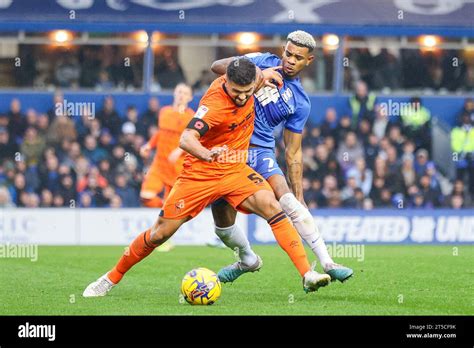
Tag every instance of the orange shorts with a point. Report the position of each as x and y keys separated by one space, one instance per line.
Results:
x=190 y=196
x=152 y=181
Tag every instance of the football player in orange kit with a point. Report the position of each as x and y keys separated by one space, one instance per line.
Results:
x=169 y=158
x=214 y=168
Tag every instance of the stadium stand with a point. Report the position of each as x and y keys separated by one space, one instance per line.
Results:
x=62 y=160
x=47 y=160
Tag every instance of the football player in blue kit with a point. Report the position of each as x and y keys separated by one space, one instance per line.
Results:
x=285 y=103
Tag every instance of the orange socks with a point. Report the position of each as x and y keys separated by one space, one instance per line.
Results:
x=289 y=240
x=140 y=248
x=285 y=234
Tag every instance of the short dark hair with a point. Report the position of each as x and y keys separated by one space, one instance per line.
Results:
x=241 y=71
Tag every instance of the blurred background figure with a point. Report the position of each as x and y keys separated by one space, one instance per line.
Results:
x=462 y=145
x=168 y=160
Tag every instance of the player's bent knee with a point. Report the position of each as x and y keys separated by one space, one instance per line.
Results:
x=161 y=231
x=223 y=221
x=279 y=185
x=268 y=204
x=293 y=208
x=158 y=237
x=273 y=207
x=223 y=213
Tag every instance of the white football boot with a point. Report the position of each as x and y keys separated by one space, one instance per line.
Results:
x=313 y=280
x=99 y=288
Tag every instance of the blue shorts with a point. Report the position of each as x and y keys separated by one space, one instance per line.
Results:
x=263 y=161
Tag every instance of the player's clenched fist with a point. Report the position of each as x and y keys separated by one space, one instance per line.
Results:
x=272 y=77
x=269 y=77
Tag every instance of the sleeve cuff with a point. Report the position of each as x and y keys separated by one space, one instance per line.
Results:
x=294 y=130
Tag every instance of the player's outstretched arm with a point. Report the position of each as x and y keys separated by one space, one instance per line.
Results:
x=294 y=162
x=220 y=66
x=175 y=155
x=148 y=146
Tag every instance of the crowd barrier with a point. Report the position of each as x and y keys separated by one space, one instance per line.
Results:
x=80 y=226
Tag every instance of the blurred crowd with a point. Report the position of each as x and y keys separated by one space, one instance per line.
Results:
x=121 y=67
x=435 y=70
x=60 y=161
x=367 y=159
x=360 y=160
x=98 y=67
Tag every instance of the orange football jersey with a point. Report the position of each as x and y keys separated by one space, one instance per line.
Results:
x=171 y=124
x=229 y=125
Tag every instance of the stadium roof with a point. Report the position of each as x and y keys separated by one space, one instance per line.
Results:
x=351 y=17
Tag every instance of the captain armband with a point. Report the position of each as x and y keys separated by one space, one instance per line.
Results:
x=198 y=125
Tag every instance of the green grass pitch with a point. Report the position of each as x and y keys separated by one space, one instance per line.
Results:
x=392 y=280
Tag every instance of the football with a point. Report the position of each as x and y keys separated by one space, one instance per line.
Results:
x=201 y=286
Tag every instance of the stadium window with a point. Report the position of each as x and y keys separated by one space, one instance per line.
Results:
x=78 y=66
x=419 y=64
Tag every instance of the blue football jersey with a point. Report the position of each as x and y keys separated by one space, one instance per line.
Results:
x=289 y=105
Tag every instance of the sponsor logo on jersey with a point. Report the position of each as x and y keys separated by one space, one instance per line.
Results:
x=235 y=125
x=287 y=95
x=267 y=95
x=201 y=112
